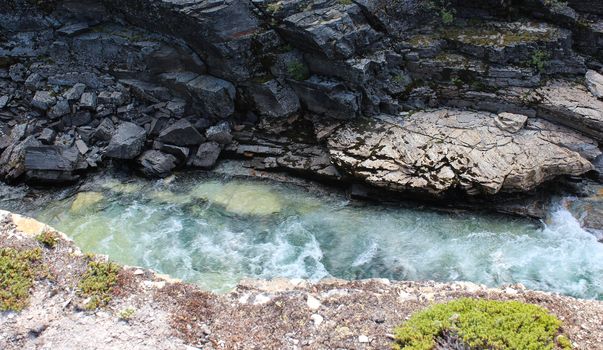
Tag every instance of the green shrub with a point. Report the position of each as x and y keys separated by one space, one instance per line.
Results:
x=298 y=71
x=481 y=324
x=17 y=273
x=126 y=314
x=98 y=282
x=447 y=16
x=48 y=239
x=540 y=60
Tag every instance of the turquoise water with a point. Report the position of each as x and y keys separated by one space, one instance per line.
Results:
x=214 y=232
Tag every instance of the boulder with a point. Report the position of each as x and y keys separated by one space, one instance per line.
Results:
x=154 y=163
x=80 y=118
x=181 y=133
x=75 y=92
x=147 y=91
x=216 y=96
x=60 y=109
x=181 y=153
x=104 y=130
x=33 y=81
x=43 y=100
x=88 y=101
x=51 y=163
x=274 y=99
x=127 y=142
x=328 y=97
x=335 y=32
x=594 y=82
x=17 y=72
x=206 y=155
x=441 y=150
x=219 y=133
x=12 y=159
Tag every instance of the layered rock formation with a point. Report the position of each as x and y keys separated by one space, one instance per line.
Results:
x=425 y=96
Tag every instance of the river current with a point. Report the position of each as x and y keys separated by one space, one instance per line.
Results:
x=214 y=231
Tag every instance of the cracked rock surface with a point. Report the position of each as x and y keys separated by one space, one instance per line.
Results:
x=445 y=149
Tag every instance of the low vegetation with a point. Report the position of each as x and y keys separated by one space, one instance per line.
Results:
x=481 y=324
x=98 y=283
x=126 y=314
x=48 y=239
x=540 y=60
x=18 y=270
x=298 y=70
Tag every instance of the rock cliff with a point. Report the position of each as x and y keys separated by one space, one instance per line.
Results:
x=424 y=96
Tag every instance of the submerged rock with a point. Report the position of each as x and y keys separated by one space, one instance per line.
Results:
x=240 y=198
x=85 y=201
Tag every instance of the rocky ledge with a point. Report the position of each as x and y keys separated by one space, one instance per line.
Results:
x=146 y=310
x=433 y=98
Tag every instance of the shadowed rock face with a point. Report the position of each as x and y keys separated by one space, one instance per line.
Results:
x=447 y=149
x=404 y=95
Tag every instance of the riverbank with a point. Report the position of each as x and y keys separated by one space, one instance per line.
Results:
x=278 y=314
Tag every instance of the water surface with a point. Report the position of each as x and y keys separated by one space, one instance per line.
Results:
x=216 y=231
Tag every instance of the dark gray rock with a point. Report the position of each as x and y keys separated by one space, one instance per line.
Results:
x=179 y=152
x=75 y=92
x=216 y=96
x=328 y=97
x=89 y=79
x=51 y=163
x=127 y=142
x=154 y=163
x=219 y=133
x=80 y=118
x=274 y=99
x=181 y=133
x=88 y=101
x=147 y=91
x=17 y=72
x=206 y=155
x=43 y=100
x=335 y=32
x=4 y=101
x=60 y=109
x=47 y=136
x=33 y=81
x=104 y=131
x=177 y=108
x=12 y=165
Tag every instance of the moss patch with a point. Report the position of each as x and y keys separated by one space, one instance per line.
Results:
x=98 y=282
x=17 y=273
x=482 y=324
